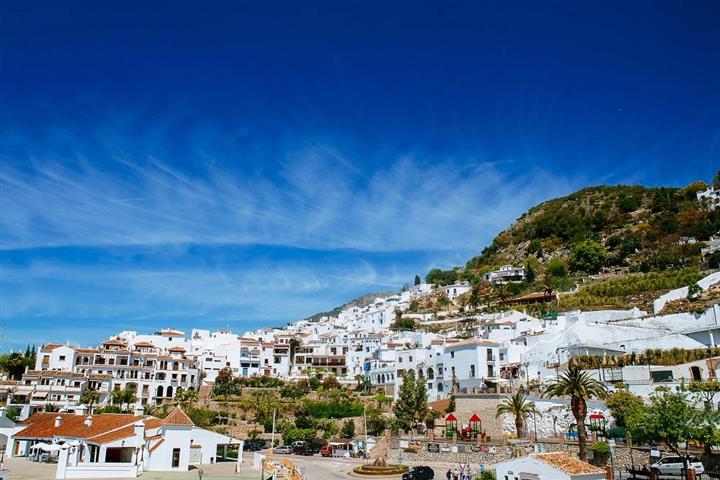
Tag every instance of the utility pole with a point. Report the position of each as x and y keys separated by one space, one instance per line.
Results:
x=272 y=435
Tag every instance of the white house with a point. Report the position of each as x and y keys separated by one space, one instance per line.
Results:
x=455 y=290
x=548 y=466
x=118 y=445
x=506 y=274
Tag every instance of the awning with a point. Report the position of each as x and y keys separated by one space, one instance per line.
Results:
x=475 y=418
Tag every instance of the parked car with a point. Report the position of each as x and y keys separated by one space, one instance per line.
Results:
x=254 y=445
x=302 y=450
x=326 y=451
x=419 y=473
x=674 y=465
x=433 y=447
x=283 y=450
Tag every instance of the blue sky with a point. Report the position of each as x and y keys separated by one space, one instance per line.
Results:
x=172 y=164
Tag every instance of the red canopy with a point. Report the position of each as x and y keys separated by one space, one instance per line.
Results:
x=451 y=418
x=596 y=416
x=475 y=418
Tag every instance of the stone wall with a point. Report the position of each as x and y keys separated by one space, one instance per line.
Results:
x=484 y=405
x=621 y=454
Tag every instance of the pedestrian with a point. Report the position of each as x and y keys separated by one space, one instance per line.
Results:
x=449 y=474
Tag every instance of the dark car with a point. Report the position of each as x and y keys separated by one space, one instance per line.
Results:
x=419 y=473
x=254 y=445
x=433 y=447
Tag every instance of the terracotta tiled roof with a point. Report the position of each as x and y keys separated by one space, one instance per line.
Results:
x=472 y=343
x=169 y=332
x=176 y=349
x=565 y=463
x=177 y=417
x=144 y=345
x=152 y=449
x=87 y=350
x=113 y=342
x=113 y=435
x=152 y=423
x=42 y=425
x=50 y=347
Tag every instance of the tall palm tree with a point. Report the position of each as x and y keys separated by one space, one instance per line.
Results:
x=580 y=387
x=517 y=406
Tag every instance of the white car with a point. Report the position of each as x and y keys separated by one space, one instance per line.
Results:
x=283 y=450
x=674 y=465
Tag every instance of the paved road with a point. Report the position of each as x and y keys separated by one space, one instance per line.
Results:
x=314 y=468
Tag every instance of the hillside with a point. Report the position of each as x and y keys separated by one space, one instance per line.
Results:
x=639 y=228
x=605 y=235
x=360 y=301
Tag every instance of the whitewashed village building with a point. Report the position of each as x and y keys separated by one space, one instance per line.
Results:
x=117 y=445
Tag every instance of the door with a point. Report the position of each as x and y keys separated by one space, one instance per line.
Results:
x=176 y=457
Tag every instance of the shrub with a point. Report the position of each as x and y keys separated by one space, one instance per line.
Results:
x=348 y=429
x=556 y=267
x=339 y=408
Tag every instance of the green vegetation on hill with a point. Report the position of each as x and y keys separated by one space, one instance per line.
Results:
x=634 y=290
x=622 y=226
x=613 y=230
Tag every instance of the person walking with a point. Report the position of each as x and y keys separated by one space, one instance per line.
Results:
x=449 y=474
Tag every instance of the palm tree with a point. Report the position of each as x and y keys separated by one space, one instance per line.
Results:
x=517 y=406
x=90 y=397
x=580 y=387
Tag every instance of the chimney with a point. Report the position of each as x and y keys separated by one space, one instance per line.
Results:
x=139 y=428
x=58 y=421
x=88 y=421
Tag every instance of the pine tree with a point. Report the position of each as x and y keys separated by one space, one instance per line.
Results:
x=421 y=398
x=417 y=280
x=404 y=408
x=27 y=352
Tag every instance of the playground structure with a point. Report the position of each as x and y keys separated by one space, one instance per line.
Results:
x=468 y=432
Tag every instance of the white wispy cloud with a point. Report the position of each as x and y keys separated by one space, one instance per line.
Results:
x=128 y=191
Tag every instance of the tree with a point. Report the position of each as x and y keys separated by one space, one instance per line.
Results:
x=186 y=397
x=694 y=292
x=707 y=389
x=529 y=272
x=404 y=408
x=364 y=385
x=580 y=387
x=403 y=324
x=331 y=383
x=670 y=419
x=348 y=429
x=14 y=364
x=90 y=397
x=716 y=181
x=623 y=404
x=421 y=398
x=51 y=407
x=517 y=406
x=588 y=256
x=556 y=267
x=123 y=398
x=376 y=422
x=417 y=280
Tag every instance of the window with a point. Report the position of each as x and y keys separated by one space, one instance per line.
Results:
x=176 y=457
x=452 y=354
x=472 y=371
x=62 y=358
